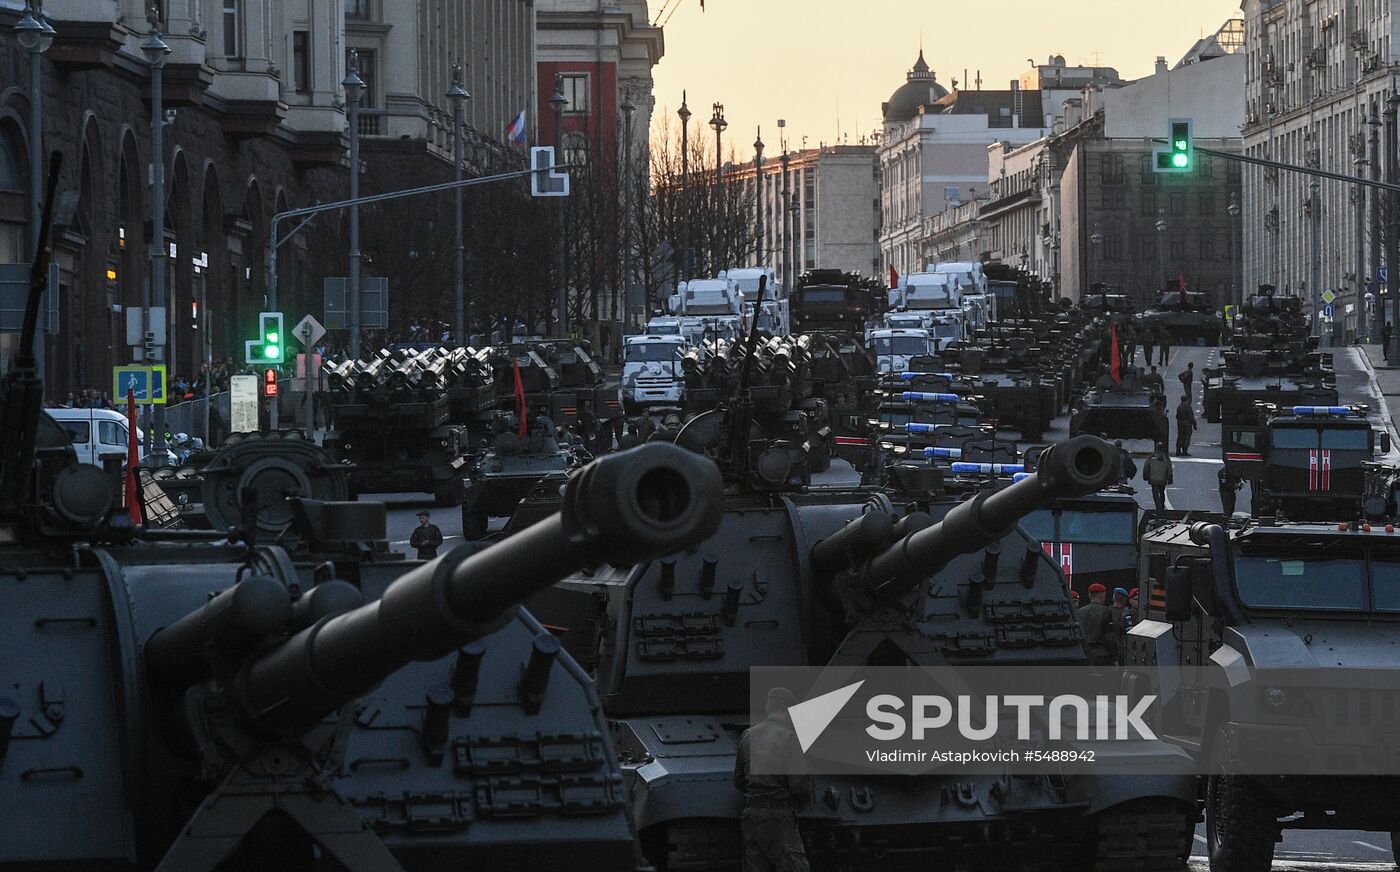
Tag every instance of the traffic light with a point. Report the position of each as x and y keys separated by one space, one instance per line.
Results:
x=270 y=383
x=1178 y=155
x=272 y=337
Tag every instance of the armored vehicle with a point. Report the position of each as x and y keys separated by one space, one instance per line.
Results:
x=390 y=418
x=1309 y=463
x=1126 y=410
x=509 y=468
x=828 y=299
x=209 y=706
x=1093 y=539
x=1187 y=316
x=1274 y=639
x=1008 y=380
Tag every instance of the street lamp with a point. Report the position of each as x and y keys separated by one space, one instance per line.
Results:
x=684 y=112
x=717 y=124
x=354 y=89
x=758 y=196
x=1161 y=246
x=1236 y=257
x=458 y=95
x=156 y=52
x=789 y=272
x=1096 y=240
x=1313 y=210
x=628 y=109
x=35 y=36
x=558 y=102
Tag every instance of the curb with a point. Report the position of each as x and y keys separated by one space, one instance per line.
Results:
x=1394 y=455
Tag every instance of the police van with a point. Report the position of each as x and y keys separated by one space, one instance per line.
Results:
x=97 y=434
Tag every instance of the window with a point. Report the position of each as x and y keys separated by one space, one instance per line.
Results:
x=1207 y=247
x=1205 y=203
x=233 y=29
x=358 y=9
x=1114 y=198
x=1205 y=166
x=1149 y=248
x=12 y=220
x=1112 y=169
x=1177 y=202
x=575 y=148
x=1178 y=249
x=1112 y=248
x=79 y=432
x=301 y=60
x=111 y=433
x=576 y=92
x=365 y=59
x=1149 y=204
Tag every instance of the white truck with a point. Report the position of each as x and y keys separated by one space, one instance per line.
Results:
x=894 y=348
x=651 y=372
x=936 y=298
x=977 y=299
x=774 y=315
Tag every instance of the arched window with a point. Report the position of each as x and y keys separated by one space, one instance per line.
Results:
x=575 y=149
x=12 y=209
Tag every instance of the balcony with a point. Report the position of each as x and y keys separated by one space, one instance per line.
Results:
x=372 y=122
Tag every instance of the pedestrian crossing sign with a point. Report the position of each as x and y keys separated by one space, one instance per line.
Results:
x=147 y=384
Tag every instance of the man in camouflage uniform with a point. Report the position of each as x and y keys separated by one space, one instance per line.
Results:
x=1102 y=636
x=775 y=792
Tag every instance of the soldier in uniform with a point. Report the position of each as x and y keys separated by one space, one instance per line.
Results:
x=776 y=793
x=1121 y=614
x=1147 y=337
x=1127 y=467
x=1186 y=377
x=1157 y=472
x=1153 y=382
x=1101 y=636
x=1185 y=426
x=1230 y=485
x=426 y=537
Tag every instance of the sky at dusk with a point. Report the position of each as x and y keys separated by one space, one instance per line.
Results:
x=818 y=63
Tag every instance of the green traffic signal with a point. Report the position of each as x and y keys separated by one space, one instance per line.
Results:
x=1180 y=160
x=271 y=352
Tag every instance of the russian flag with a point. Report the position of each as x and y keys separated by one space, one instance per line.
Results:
x=516 y=131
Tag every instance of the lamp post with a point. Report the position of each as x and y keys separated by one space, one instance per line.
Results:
x=1161 y=247
x=354 y=89
x=1096 y=240
x=458 y=95
x=625 y=298
x=758 y=197
x=1312 y=209
x=1374 y=277
x=156 y=52
x=683 y=272
x=717 y=124
x=789 y=275
x=558 y=102
x=1236 y=260
x=1392 y=215
x=35 y=36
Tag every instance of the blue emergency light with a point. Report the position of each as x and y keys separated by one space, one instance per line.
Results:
x=990 y=468
x=954 y=453
x=1020 y=475
x=1322 y=410
x=925 y=397
x=920 y=428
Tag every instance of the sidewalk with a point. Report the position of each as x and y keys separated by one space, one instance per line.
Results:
x=1385 y=381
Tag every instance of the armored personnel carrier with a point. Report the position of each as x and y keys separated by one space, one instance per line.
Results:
x=1126 y=410
x=1271 y=359
x=390 y=418
x=1187 y=316
x=205 y=705
x=1269 y=646
x=509 y=468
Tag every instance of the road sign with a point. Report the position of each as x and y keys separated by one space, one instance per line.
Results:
x=1327 y=310
x=308 y=331
x=1328 y=296
x=551 y=182
x=1382 y=274
x=146 y=382
x=243 y=404
x=374 y=302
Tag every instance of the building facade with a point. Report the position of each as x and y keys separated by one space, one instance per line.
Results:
x=1316 y=81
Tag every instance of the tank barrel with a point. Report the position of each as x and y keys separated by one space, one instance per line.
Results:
x=1078 y=467
x=624 y=509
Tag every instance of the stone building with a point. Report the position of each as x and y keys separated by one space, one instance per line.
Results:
x=255 y=125
x=1317 y=74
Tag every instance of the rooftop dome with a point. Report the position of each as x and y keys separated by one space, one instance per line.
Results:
x=920 y=89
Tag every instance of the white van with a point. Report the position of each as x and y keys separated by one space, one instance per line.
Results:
x=96 y=433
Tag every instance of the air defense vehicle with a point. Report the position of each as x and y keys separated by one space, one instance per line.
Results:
x=208 y=704
x=1271 y=648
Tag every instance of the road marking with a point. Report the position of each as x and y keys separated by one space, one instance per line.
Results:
x=1200 y=838
x=1371 y=846
x=1201 y=863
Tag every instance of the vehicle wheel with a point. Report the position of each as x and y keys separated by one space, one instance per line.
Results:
x=1240 y=831
x=473 y=525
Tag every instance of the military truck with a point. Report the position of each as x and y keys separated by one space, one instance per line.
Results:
x=1269 y=640
x=1307 y=462
x=829 y=299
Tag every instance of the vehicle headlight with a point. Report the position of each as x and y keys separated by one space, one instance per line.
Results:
x=872 y=422
x=1275 y=699
x=900 y=449
x=887 y=446
x=884 y=425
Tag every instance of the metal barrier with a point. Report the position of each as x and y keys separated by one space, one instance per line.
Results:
x=198 y=417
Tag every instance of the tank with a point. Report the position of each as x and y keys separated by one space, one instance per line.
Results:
x=1275 y=636
x=509 y=469
x=213 y=707
x=1186 y=316
x=839 y=577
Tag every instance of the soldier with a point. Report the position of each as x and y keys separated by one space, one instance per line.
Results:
x=1230 y=484
x=774 y=795
x=1185 y=426
x=1132 y=606
x=1101 y=637
x=1157 y=472
x=1164 y=345
x=1127 y=468
x=1153 y=381
x=1147 y=338
x=1120 y=610
x=426 y=537
x=1130 y=342
x=629 y=439
x=1186 y=376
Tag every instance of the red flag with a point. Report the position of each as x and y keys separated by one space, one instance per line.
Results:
x=1181 y=281
x=133 y=458
x=1115 y=360
x=894 y=278
x=519 y=397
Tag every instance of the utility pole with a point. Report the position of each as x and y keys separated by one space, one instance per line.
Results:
x=758 y=197
x=683 y=271
x=1373 y=278
x=354 y=88
x=559 y=102
x=156 y=51
x=1392 y=230
x=625 y=299
x=457 y=94
x=1314 y=210
x=1359 y=201
x=789 y=276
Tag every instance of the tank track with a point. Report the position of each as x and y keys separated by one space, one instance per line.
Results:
x=1144 y=836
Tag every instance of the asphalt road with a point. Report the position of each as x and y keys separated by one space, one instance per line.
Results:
x=1194 y=487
